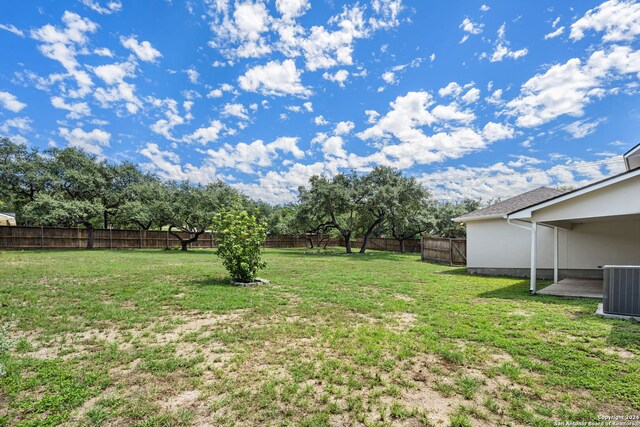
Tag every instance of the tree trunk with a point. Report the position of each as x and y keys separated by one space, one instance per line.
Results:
x=365 y=240
x=90 y=229
x=185 y=242
x=347 y=242
x=106 y=219
x=310 y=240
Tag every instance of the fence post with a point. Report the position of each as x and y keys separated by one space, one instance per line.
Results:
x=78 y=237
x=140 y=239
x=450 y=251
x=110 y=237
x=41 y=237
x=167 y=239
x=212 y=245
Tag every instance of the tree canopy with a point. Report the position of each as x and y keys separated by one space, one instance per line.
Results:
x=69 y=187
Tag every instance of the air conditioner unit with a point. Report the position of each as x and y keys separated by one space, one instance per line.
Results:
x=621 y=290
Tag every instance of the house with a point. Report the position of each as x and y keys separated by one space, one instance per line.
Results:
x=551 y=234
x=7 y=219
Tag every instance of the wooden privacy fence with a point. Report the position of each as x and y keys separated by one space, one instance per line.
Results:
x=76 y=238
x=449 y=251
x=386 y=244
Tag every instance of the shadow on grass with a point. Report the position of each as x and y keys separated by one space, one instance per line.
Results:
x=213 y=282
x=519 y=291
x=452 y=271
x=367 y=256
x=625 y=334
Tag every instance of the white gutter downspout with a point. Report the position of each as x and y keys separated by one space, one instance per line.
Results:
x=555 y=254
x=534 y=256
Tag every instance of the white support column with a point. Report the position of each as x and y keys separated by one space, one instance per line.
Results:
x=534 y=256
x=555 y=254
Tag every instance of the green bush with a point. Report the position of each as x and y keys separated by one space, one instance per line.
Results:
x=240 y=237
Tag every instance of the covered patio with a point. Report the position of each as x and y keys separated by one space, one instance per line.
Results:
x=593 y=226
x=581 y=288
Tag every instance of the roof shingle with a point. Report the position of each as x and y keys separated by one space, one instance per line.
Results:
x=513 y=204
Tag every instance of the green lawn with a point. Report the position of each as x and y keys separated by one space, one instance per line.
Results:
x=159 y=338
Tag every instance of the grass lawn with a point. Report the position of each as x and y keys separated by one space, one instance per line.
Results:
x=159 y=338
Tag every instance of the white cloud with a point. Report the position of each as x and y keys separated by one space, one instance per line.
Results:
x=240 y=34
x=193 y=75
x=565 y=89
x=111 y=6
x=339 y=77
x=172 y=118
x=554 y=34
x=619 y=20
x=235 y=110
x=389 y=77
x=331 y=146
x=581 y=128
x=63 y=45
x=287 y=144
x=471 y=96
x=503 y=181
x=215 y=93
x=103 y=51
x=502 y=49
x=144 y=51
x=452 y=113
x=324 y=48
x=470 y=27
x=205 y=135
x=164 y=163
x=290 y=9
x=21 y=124
x=116 y=72
x=244 y=29
x=219 y=92
x=405 y=122
x=282 y=187
x=12 y=29
x=119 y=90
x=10 y=102
x=248 y=157
x=320 y=121
x=274 y=78
x=76 y=110
x=484 y=8
x=496 y=131
x=344 y=128
x=92 y=142
x=452 y=89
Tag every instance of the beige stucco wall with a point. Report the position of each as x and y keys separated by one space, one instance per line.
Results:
x=496 y=244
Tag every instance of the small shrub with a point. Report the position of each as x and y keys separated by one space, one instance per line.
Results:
x=240 y=237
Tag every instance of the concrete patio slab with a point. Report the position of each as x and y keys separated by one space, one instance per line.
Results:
x=582 y=288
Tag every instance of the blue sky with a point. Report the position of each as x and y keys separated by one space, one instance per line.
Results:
x=475 y=99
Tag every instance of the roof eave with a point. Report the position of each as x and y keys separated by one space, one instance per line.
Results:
x=528 y=211
x=478 y=218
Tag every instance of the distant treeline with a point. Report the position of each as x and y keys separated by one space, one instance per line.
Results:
x=69 y=187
